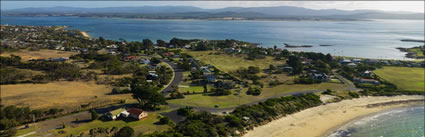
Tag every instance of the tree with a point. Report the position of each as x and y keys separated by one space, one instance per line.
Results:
x=155 y=60
x=272 y=67
x=94 y=114
x=285 y=53
x=295 y=63
x=161 y=43
x=147 y=96
x=187 y=112
x=148 y=44
x=205 y=88
x=253 y=91
x=125 y=132
x=253 y=70
x=7 y=127
x=166 y=121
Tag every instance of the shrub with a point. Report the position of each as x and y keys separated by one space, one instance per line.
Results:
x=185 y=111
x=116 y=90
x=353 y=94
x=253 y=91
x=94 y=114
x=328 y=92
x=125 y=132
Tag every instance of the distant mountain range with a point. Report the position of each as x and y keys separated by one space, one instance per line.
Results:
x=189 y=12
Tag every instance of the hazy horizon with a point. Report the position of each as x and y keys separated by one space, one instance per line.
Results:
x=388 y=6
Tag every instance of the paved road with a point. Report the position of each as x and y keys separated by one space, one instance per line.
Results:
x=178 y=77
x=351 y=86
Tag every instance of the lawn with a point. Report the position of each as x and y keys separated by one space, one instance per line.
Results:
x=229 y=63
x=404 y=77
x=191 y=89
x=24 y=131
x=61 y=94
x=40 y=54
x=145 y=125
x=235 y=100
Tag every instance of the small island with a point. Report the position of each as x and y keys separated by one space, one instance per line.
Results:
x=295 y=46
x=413 y=40
x=414 y=52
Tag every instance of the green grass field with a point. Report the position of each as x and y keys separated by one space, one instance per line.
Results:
x=145 y=125
x=243 y=98
x=404 y=77
x=418 y=51
x=229 y=63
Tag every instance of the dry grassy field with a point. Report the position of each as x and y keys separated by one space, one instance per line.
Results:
x=57 y=94
x=41 y=54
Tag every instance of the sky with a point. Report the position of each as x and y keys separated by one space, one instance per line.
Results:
x=410 y=6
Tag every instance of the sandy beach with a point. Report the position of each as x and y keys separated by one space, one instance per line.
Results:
x=323 y=120
x=85 y=34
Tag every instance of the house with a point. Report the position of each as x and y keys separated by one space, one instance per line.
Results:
x=114 y=114
x=367 y=73
x=320 y=76
x=152 y=75
x=112 y=52
x=288 y=69
x=205 y=69
x=137 y=113
x=227 y=84
x=228 y=50
x=371 y=61
x=169 y=54
x=145 y=61
x=352 y=65
x=211 y=78
x=346 y=61
x=131 y=58
x=368 y=81
x=187 y=47
x=60 y=59
x=124 y=114
x=357 y=61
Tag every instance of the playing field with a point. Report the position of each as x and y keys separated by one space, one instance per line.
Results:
x=57 y=94
x=41 y=54
x=404 y=77
x=228 y=63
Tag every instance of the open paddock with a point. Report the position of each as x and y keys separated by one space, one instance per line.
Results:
x=61 y=94
x=40 y=54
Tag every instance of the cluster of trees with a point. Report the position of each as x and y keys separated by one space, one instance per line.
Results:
x=320 y=62
x=270 y=109
x=147 y=96
x=254 y=91
x=12 y=116
x=250 y=73
x=220 y=91
x=54 y=70
x=205 y=124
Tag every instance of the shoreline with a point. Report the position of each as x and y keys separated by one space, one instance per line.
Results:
x=85 y=34
x=325 y=119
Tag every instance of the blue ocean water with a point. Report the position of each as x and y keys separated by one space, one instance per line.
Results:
x=367 y=39
x=401 y=122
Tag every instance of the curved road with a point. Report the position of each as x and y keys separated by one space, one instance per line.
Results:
x=178 y=77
